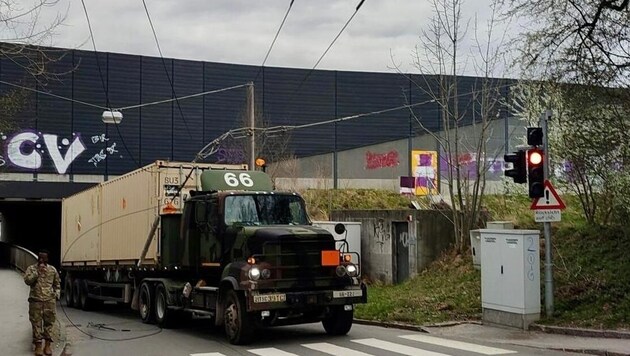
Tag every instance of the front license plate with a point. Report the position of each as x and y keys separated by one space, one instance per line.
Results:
x=270 y=298
x=347 y=293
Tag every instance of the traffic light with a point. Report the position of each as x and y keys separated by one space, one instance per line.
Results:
x=519 y=166
x=536 y=172
x=534 y=136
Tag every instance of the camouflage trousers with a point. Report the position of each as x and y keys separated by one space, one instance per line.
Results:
x=42 y=317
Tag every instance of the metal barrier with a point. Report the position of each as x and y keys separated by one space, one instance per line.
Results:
x=16 y=256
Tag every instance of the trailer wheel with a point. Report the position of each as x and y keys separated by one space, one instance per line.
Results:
x=67 y=291
x=145 y=301
x=239 y=326
x=76 y=293
x=163 y=315
x=339 y=321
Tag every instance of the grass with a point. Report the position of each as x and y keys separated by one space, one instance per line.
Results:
x=449 y=290
x=591 y=267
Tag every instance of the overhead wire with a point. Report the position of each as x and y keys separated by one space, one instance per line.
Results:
x=356 y=10
x=168 y=76
x=286 y=14
x=100 y=73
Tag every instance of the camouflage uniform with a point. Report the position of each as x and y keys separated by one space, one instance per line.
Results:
x=45 y=288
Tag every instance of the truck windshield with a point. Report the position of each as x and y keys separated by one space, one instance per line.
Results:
x=265 y=209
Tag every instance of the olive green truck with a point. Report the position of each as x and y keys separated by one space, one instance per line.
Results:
x=175 y=239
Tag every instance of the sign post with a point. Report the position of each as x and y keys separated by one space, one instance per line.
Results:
x=544 y=120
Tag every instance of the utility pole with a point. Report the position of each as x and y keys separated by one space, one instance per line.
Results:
x=544 y=120
x=252 y=127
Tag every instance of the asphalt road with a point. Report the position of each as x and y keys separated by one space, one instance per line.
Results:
x=116 y=331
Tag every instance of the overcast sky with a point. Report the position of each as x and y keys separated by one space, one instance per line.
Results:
x=241 y=31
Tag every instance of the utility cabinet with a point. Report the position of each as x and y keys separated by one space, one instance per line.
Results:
x=510 y=277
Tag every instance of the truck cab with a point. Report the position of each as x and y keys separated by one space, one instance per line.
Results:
x=255 y=260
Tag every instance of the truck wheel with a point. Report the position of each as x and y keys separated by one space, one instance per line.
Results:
x=67 y=291
x=76 y=293
x=83 y=295
x=339 y=321
x=145 y=301
x=239 y=326
x=163 y=315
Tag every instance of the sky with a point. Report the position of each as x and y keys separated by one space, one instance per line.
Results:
x=383 y=34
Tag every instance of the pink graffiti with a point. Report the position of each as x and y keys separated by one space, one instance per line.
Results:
x=381 y=160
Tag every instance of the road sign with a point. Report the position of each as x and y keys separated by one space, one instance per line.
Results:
x=550 y=200
x=547 y=215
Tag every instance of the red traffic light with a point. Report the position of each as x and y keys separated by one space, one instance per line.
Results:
x=535 y=157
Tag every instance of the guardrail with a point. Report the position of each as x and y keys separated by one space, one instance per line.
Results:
x=16 y=256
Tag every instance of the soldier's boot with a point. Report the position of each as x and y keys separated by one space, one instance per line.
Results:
x=48 y=348
x=39 y=350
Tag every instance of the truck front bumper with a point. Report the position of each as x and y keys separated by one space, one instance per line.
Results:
x=260 y=300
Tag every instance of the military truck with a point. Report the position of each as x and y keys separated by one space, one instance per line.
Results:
x=175 y=239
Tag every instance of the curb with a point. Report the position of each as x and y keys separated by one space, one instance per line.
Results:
x=608 y=334
x=391 y=325
x=412 y=327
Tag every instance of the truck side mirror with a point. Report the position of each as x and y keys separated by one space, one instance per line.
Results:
x=340 y=228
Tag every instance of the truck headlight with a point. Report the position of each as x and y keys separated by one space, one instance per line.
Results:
x=266 y=273
x=254 y=273
x=352 y=270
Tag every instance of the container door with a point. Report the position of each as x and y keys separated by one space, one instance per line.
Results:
x=401 y=242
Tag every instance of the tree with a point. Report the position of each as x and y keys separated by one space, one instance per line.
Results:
x=440 y=60
x=579 y=41
x=23 y=37
x=582 y=47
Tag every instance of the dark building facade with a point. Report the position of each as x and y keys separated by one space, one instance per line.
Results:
x=55 y=136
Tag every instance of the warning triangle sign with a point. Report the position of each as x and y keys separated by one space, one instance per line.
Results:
x=551 y=199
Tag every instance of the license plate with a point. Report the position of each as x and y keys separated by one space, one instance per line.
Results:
x=347 y=293
x=270 y=298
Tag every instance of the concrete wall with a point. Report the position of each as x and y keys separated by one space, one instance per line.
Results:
x=429 y=233
x=381 y=166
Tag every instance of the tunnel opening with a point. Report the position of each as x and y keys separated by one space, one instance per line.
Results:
x=33 y=225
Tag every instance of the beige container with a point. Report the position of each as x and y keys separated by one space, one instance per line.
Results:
x=109 y=224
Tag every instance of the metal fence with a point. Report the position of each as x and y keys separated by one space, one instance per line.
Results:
x=16 y=256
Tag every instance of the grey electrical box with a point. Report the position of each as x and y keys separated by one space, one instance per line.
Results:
x=510 y=276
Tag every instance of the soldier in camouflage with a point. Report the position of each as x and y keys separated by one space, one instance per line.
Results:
x=45 y=289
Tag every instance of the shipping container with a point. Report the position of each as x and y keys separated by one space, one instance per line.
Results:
x=110 y=223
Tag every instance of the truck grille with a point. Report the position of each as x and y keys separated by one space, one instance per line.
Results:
x=298 y=262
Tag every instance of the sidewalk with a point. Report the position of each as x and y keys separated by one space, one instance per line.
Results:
x=14 y=325
x=558 y=341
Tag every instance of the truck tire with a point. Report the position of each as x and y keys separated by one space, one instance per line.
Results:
x=163 y=315
x=83 y=295
x=239 y=326
x=67 y=291
x=145 y=303
x=339 y=321
x=76 y=293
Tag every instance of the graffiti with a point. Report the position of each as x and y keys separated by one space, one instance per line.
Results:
x=381 y=233
x=2 y=161
x=404 y=239
x=101 y=156
x=381 y=160
x=231 y=156
x=25 y=150
x=424 y=165
x=468 y=165
x=112 y=149
x=99 y=138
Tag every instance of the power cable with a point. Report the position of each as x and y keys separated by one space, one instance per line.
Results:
x=356 y=10
x=274 y=40
x=100 y=73
x=102 y=338
x=123 y=107
x=168 y=76
x=54 y=95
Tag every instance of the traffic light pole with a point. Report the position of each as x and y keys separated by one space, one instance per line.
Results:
x=544 y=118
